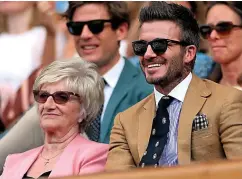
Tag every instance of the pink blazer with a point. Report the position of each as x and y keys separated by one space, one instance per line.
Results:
x=80 y=157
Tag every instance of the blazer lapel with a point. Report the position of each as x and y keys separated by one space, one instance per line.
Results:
x=145 y=118
x=119 y=92
x=65 y=164
x=196 y=96
x=27 y=162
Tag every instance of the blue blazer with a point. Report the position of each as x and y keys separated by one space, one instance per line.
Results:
x=130 y=89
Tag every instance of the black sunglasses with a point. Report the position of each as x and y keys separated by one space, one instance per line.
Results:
x=222 y=28
x=60 y=97
x=159 y=46
x=95 y=26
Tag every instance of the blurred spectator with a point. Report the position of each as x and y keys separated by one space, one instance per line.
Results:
x=39 y=39
x=223 y=30
x=21 y=43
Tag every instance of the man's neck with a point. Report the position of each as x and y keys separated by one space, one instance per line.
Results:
x=166 y=89
x=102 y=69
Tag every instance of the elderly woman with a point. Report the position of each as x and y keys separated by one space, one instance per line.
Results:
x=223 y=30
x=69 y=94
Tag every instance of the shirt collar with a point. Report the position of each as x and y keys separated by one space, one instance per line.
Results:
x=178 y=92
x=113 y=74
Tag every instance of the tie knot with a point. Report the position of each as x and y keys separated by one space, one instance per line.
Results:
x=165 y=101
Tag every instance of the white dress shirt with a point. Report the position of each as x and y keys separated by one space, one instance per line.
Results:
x=169 y=156
x=111 y=77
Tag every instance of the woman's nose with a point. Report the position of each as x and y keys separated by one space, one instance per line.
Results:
x=50 y=103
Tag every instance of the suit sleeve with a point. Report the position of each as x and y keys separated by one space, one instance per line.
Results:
x=95 y=160
x=119 y=156
x=231 y=125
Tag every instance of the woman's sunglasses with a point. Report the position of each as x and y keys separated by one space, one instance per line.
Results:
x=222 y=28
x=159 y=46
x=95 y=26
x=60 y=97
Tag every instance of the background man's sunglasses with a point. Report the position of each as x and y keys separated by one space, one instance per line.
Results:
x=95 y=26
x=222 y=28
x=60 y=97
x=159 y=46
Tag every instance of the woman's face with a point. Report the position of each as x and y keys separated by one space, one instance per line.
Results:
x=58 y=117
x=227 y=47
x=14 y=7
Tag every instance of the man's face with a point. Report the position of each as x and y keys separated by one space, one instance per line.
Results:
x=101 y=48
x=162 y=69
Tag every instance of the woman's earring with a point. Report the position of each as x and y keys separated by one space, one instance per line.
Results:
x=80 y=119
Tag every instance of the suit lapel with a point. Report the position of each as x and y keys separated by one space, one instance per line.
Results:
x=196 y=96
x=119 y=92
x=145 y=118
x=65 y=164
x=28 y=161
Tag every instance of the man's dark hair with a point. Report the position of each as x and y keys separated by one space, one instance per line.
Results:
x=178 y=14
x=175 y=13
x=117 y=10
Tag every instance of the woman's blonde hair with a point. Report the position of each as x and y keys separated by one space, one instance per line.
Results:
x=80 y=77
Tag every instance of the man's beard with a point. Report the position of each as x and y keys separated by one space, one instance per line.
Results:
x=175 y=72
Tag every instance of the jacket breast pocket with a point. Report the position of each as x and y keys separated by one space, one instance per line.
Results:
x=202 y=137
x=205 y=143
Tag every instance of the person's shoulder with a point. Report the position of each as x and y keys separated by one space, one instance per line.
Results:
x=138 y=106
x=87 y=149
x=88 y=144
x=222 y=91
x=222 y=88
x=18 y=156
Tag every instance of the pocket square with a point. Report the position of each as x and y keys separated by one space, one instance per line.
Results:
x=200 y=122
